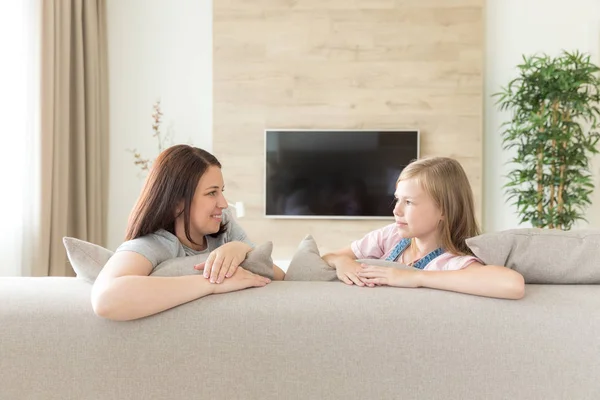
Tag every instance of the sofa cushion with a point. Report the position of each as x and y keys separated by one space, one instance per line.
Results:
x=307 y=264
x=302 y=340
x=543 y=255
x=87 y=259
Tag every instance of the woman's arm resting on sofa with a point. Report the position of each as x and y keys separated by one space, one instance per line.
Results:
x=278 y=274
x=124 y=291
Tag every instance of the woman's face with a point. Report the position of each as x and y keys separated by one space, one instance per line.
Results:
x=206 y=212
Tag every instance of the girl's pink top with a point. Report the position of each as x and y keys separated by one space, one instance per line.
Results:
x=379 y=244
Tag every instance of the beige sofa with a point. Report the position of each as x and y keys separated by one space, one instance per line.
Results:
x=302 y=340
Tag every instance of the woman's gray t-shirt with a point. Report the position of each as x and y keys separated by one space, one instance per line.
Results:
x=163 y=245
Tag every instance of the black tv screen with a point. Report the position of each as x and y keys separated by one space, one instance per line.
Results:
x=335 y=174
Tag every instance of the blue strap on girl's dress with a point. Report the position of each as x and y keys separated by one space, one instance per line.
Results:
x=400 y=247
x=421 y=263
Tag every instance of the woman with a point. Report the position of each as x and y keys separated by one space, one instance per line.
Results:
x=180 y=212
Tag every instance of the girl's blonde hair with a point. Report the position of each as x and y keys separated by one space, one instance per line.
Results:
x=446 y=182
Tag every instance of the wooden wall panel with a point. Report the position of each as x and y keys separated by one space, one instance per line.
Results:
x=342 y=64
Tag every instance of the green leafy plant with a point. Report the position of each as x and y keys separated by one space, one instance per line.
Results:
x=554 y=131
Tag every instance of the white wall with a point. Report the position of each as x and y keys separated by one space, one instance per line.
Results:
x=158 y=49
x=163 y=49
x=516 y=27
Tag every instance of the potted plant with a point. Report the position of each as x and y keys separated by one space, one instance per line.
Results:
x=554 y=134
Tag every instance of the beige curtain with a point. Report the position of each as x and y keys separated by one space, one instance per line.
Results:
x=74 y=129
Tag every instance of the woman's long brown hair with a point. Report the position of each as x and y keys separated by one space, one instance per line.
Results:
x=173 y=177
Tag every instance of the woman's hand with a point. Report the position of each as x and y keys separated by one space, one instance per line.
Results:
x=241 y=279
x=378 y=276
x=224 y=261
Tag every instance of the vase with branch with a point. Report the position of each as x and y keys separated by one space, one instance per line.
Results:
x=163 y=140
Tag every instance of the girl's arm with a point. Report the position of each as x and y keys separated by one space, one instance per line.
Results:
x=476 y=279
x=124 y=291
x=343 y=261
x=339 y=257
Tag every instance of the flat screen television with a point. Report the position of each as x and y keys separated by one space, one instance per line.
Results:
x=335 y=174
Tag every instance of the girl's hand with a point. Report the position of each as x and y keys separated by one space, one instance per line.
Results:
x=389 y=276
x=347 y=272
x=223 y=261
x=241 y=279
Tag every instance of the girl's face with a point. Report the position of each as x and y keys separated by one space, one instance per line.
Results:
x=416 y=214
x=206 y=212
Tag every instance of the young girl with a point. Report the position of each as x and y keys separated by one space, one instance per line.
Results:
x=180 y=212
x=434 y=216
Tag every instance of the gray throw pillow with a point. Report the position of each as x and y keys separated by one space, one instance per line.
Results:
x=87 y=259
x=307 y=264
x=179 y=266
x=543 y=255
x=258 y=261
